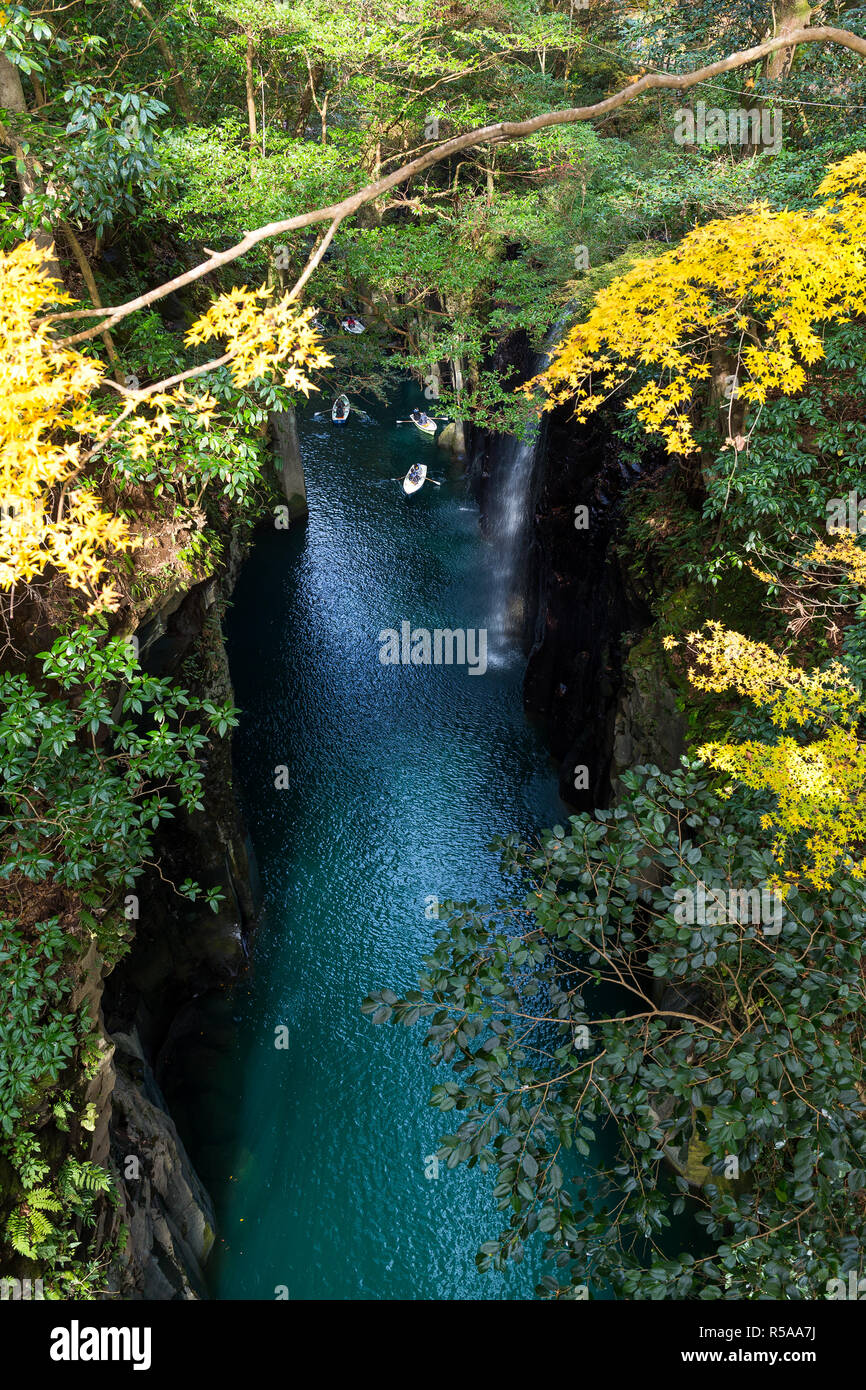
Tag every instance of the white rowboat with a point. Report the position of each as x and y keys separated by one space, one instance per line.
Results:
x=414 y=479
x=424 y=423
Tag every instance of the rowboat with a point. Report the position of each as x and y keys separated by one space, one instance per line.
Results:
x=340 y=410
x=423 y=423
x=352 y=325
x=414 y=479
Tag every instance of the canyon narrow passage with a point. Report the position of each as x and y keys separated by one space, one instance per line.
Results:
x=317 y=1153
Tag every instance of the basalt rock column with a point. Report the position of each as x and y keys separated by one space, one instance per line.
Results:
x=289 y=465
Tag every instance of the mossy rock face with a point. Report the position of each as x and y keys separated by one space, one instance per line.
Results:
x=650 y=727
x=688 y=1159
x=598 y=277
x=694 y=1168
x=447 y=438
x=683 y=609
x=166 y=1208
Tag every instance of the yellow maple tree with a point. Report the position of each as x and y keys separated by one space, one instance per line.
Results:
x=842 y=554
x=50 y=425
x=761 y=283
x=818 y=783
x=46 y=411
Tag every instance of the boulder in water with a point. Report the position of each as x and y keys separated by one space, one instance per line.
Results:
x=445 y=438
x=452 y=439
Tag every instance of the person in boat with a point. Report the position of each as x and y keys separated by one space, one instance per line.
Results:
x=419 y=416
x=350 y=322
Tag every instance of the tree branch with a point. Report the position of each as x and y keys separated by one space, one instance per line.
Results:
x=491 y=134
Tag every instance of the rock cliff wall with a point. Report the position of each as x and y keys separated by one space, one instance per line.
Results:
x=593 y=678
x=180 y=948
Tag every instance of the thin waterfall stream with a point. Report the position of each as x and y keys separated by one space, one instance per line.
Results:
x=508 y=518
x=508 y=524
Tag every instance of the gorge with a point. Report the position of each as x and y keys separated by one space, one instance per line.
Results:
x=433 y=843
x=395 y=788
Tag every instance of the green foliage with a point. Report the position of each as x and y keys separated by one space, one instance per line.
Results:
x=90 y=771
x=84 y=786
x=92 y=147
x=30 y=1229
x=804 y=451
x=150 y=350
x=854 y=646
x=24 y=39
x=37 y=1034
x=98 y=755
x=79 y=1180
x=220 y=195
x=751 y=1050
x=111 y=164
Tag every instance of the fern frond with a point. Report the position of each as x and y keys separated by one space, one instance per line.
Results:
x=40 y=1227
x=18 y=1234
x=43 y=1199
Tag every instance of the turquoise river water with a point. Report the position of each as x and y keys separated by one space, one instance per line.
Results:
x=398 y=779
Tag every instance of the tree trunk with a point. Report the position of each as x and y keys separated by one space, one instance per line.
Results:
x=11 y=91
x=724 y=414
x=174 y=76
x=306 y=104
x=251 y=92
x=459 y=430
x=87 y=274
x=789 y=15
x=12 y=99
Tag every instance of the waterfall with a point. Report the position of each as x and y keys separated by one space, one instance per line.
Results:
x=508 y=530
x=509 y=521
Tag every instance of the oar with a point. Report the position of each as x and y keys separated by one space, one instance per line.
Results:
x=398 y=478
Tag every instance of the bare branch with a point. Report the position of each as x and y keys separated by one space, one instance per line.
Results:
x=145 y=392
x=315 y=258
